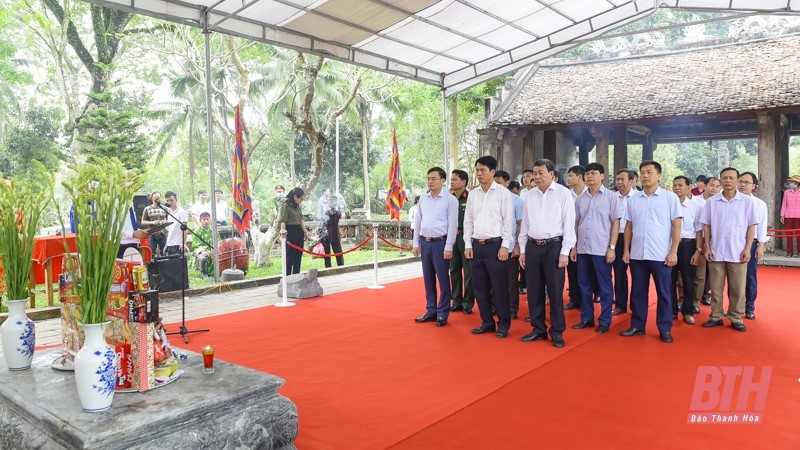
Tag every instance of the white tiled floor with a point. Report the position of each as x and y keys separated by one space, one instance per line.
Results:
x=48 y=332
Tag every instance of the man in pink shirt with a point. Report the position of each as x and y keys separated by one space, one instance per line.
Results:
x=790 y=215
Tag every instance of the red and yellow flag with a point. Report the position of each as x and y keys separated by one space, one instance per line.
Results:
x=242 y=203
x=397 y=192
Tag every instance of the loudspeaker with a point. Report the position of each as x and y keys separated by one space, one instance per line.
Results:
x=140 y=202
x=165 y=274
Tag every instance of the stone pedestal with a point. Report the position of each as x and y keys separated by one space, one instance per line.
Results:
x=235 y=407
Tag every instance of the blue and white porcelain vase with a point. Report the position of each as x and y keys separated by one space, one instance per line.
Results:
x=19 y=336
x=95 y=370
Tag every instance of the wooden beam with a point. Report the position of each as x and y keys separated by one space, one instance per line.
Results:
x=769 y=132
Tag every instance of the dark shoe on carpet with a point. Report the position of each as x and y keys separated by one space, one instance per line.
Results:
x=457 y=308
x=696 y=309
x=666 y=337
x=502 y=333
x=688 y=318
x=514 y=316
x=739 y=326
x=750 y=316
x=467 y=310
x=706 y=301
x=583 y=325
x=483 y=329
x=527 y=319
x=632 y=332
x=425 y=318
x=533 y=336
x=602 y=329
x=569 y=306
x=713 y=323
x=523 y=291
x=441 y=322
x=618 y=311
x=597 y=299
x=558 y=342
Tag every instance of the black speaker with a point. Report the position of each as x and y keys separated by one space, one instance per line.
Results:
x=140 y=202
x=165 y=274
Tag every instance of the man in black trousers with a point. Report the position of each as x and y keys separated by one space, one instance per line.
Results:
x=488 y=223
x=545 y=241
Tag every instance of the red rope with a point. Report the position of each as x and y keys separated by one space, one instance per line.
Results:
x=782 y=232
x=324 y=255
x=395 y=245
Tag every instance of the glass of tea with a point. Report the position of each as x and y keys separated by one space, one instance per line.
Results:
x=208 y=359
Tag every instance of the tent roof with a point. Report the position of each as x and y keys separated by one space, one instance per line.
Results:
x=451 y=43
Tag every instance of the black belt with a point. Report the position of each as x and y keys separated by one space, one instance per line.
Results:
x=433 y=239
x=688 y=239
x=543 y=242
x=487 y=241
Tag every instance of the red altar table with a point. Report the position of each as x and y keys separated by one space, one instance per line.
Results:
x=47 y=254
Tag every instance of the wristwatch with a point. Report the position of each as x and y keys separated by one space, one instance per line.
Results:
x=699 y=250
x=612 y=246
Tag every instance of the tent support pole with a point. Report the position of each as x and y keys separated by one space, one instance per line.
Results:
x=210 y=128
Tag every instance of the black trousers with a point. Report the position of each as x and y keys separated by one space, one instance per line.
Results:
x=542 y=271
x=295 y=235
x=621 y=296
x=513 y=283
x=489 y=275
x=686 y=271
x=575 y=296
x=337 y=248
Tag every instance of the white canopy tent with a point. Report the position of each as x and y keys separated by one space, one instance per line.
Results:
x=454 y=44
x=451 y=43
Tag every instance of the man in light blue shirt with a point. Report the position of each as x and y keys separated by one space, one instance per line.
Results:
x=434 y=236
x=729 y=224
x=652 y=234
x=597 y=214
x=688 y=251
x=748 y=182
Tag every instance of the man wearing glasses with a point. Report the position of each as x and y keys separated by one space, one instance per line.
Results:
x=748 y=182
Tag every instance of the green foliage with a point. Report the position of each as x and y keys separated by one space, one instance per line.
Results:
x=110 y=133
x=32 y=138
x=21 y=205
x=101 y=192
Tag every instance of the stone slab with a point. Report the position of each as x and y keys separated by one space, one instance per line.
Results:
x=235 y=407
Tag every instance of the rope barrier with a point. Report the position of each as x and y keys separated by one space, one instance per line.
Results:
x=395 y=245
x=783 y=232
x=329 y=255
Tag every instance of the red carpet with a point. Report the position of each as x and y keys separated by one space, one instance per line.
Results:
x=364 y=375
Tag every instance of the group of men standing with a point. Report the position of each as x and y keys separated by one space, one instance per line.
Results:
x=497 y=230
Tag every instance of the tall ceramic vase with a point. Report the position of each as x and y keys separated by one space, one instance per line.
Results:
x=95 y=369
x=19 y=336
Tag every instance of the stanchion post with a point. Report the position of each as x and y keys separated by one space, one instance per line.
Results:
x=285 y=301
x=400 y=239
x=375 y=284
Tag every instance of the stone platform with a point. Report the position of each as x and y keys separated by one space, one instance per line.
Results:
x=235 y=407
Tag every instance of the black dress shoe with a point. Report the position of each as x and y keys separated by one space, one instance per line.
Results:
x=483 y=329
x=558 y=342
x=696 y=309
x=602 y=329
x=674 y=317
x=618 y=311
x=583 y=325
x=706 y=301
x=467 y=311
x=713 y=323
x=441 y=322
x=597 y=299
x=514 y=316
x=425 y=318
x=739 y=326
x=533 y=336
x=666 y=337
x=528 y=319
x=750 y=316
x=457 y=308
x=502 y=333
x=569 y=306
x=632 y=332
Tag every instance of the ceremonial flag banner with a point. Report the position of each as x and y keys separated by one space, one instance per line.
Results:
x=242 y=203
x=397 y=192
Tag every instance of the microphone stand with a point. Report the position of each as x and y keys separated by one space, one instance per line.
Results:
x=183 y=331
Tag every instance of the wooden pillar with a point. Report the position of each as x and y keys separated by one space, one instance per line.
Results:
x=648 y=148
x=769 y=183
x=600 y=135
x=550 y=145
x=620 y=149
x=583 y=153
x=527 y=151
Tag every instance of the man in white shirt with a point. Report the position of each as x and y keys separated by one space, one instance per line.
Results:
x=624 y=181
x=689 y=251
x=200 y=206
x=223 y=210
x=702 y=284
x=176 y=236
x=577 y=186
x=488 y=240
x=546 y=237
x=748 y=182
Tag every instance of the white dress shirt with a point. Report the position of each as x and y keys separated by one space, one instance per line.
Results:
x=175 y=235
x=691 y=213
x=549 y=214
x=763 y=219
x=489 y=214
x=624 y=199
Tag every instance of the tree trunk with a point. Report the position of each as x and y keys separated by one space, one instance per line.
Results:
x=192 y=163
x=292 y=172
x=365 y=162
x=452 y=131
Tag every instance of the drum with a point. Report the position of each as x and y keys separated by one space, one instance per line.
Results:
x=233 y=254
